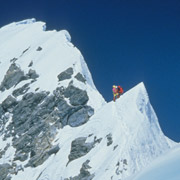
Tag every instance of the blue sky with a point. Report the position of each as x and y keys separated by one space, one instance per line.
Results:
x=123 y=42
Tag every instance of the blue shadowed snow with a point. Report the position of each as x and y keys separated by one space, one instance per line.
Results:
x=167 y=167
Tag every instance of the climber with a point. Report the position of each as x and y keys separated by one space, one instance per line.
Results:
x=115 y=93
x=119 y=91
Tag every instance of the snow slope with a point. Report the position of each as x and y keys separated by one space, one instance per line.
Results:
x=136 y=141
x=166 y=167
x=120 y=139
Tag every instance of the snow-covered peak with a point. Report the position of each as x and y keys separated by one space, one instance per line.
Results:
x=49 y=52
x=51 y=114
x=138 y=92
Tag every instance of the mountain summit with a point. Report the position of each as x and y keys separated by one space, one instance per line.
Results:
x=55 y=125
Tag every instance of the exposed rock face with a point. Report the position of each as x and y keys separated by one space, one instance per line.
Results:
x=80 y=77
x=54 y=150
x=13 y=76
x=84 y=173
x=30 y=64
x=76 y=96
x=32 y=74
x=36 y=118
x=80 y=117
x=13 y=60
x=109 y=139
x=121 y=166
x=21 y=90
x=1 y=110
x=79 y=147
x=8 y=103
x=39 y=48
x=4 y=170
x=65 y=74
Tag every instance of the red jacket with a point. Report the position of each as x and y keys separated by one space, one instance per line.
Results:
x=120 y=90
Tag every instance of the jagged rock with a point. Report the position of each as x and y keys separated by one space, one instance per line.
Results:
x=14 y=60
x=24 y=110
x=58 y=93
x=64 y=111
x=41 y=150
x=121 y=166
x=125 y=162
x=32 y=74
x=4 y=119
x=30 y=64
x=22 y=143
x=76 y=95
x=109 y=139
x=4 y=150
x=84 y=173
x=1 y=110
x=90 y=110
x=21 y=156
x=39 y=48
x=80 y=77
x=21 y=90
x=37 y=160
x=86 y=165
x=65 y=74
x=16 y=168
x=79 y=148
x=97 y=140
x=13 y=76
x=36 y=117
x=115 y=147
x=42 y=143
x=9 y=102
x=49 y=103
x=2 y=153
x=80 y=117
x=25 y=50
x=53 y=150
x=4 y=170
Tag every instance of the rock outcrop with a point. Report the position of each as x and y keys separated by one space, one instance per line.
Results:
x=37 y=117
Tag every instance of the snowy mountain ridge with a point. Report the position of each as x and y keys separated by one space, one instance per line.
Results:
x=54 y=124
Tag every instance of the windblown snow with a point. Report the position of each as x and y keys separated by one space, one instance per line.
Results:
x=119 y=140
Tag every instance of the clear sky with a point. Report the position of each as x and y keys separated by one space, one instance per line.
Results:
x=123 y=42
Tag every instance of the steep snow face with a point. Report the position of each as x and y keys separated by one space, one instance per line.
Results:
x=125 y=137
x=166 y=167
x=49 y=53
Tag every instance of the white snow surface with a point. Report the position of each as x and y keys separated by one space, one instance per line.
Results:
x=130 y=121
x=165 y=167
